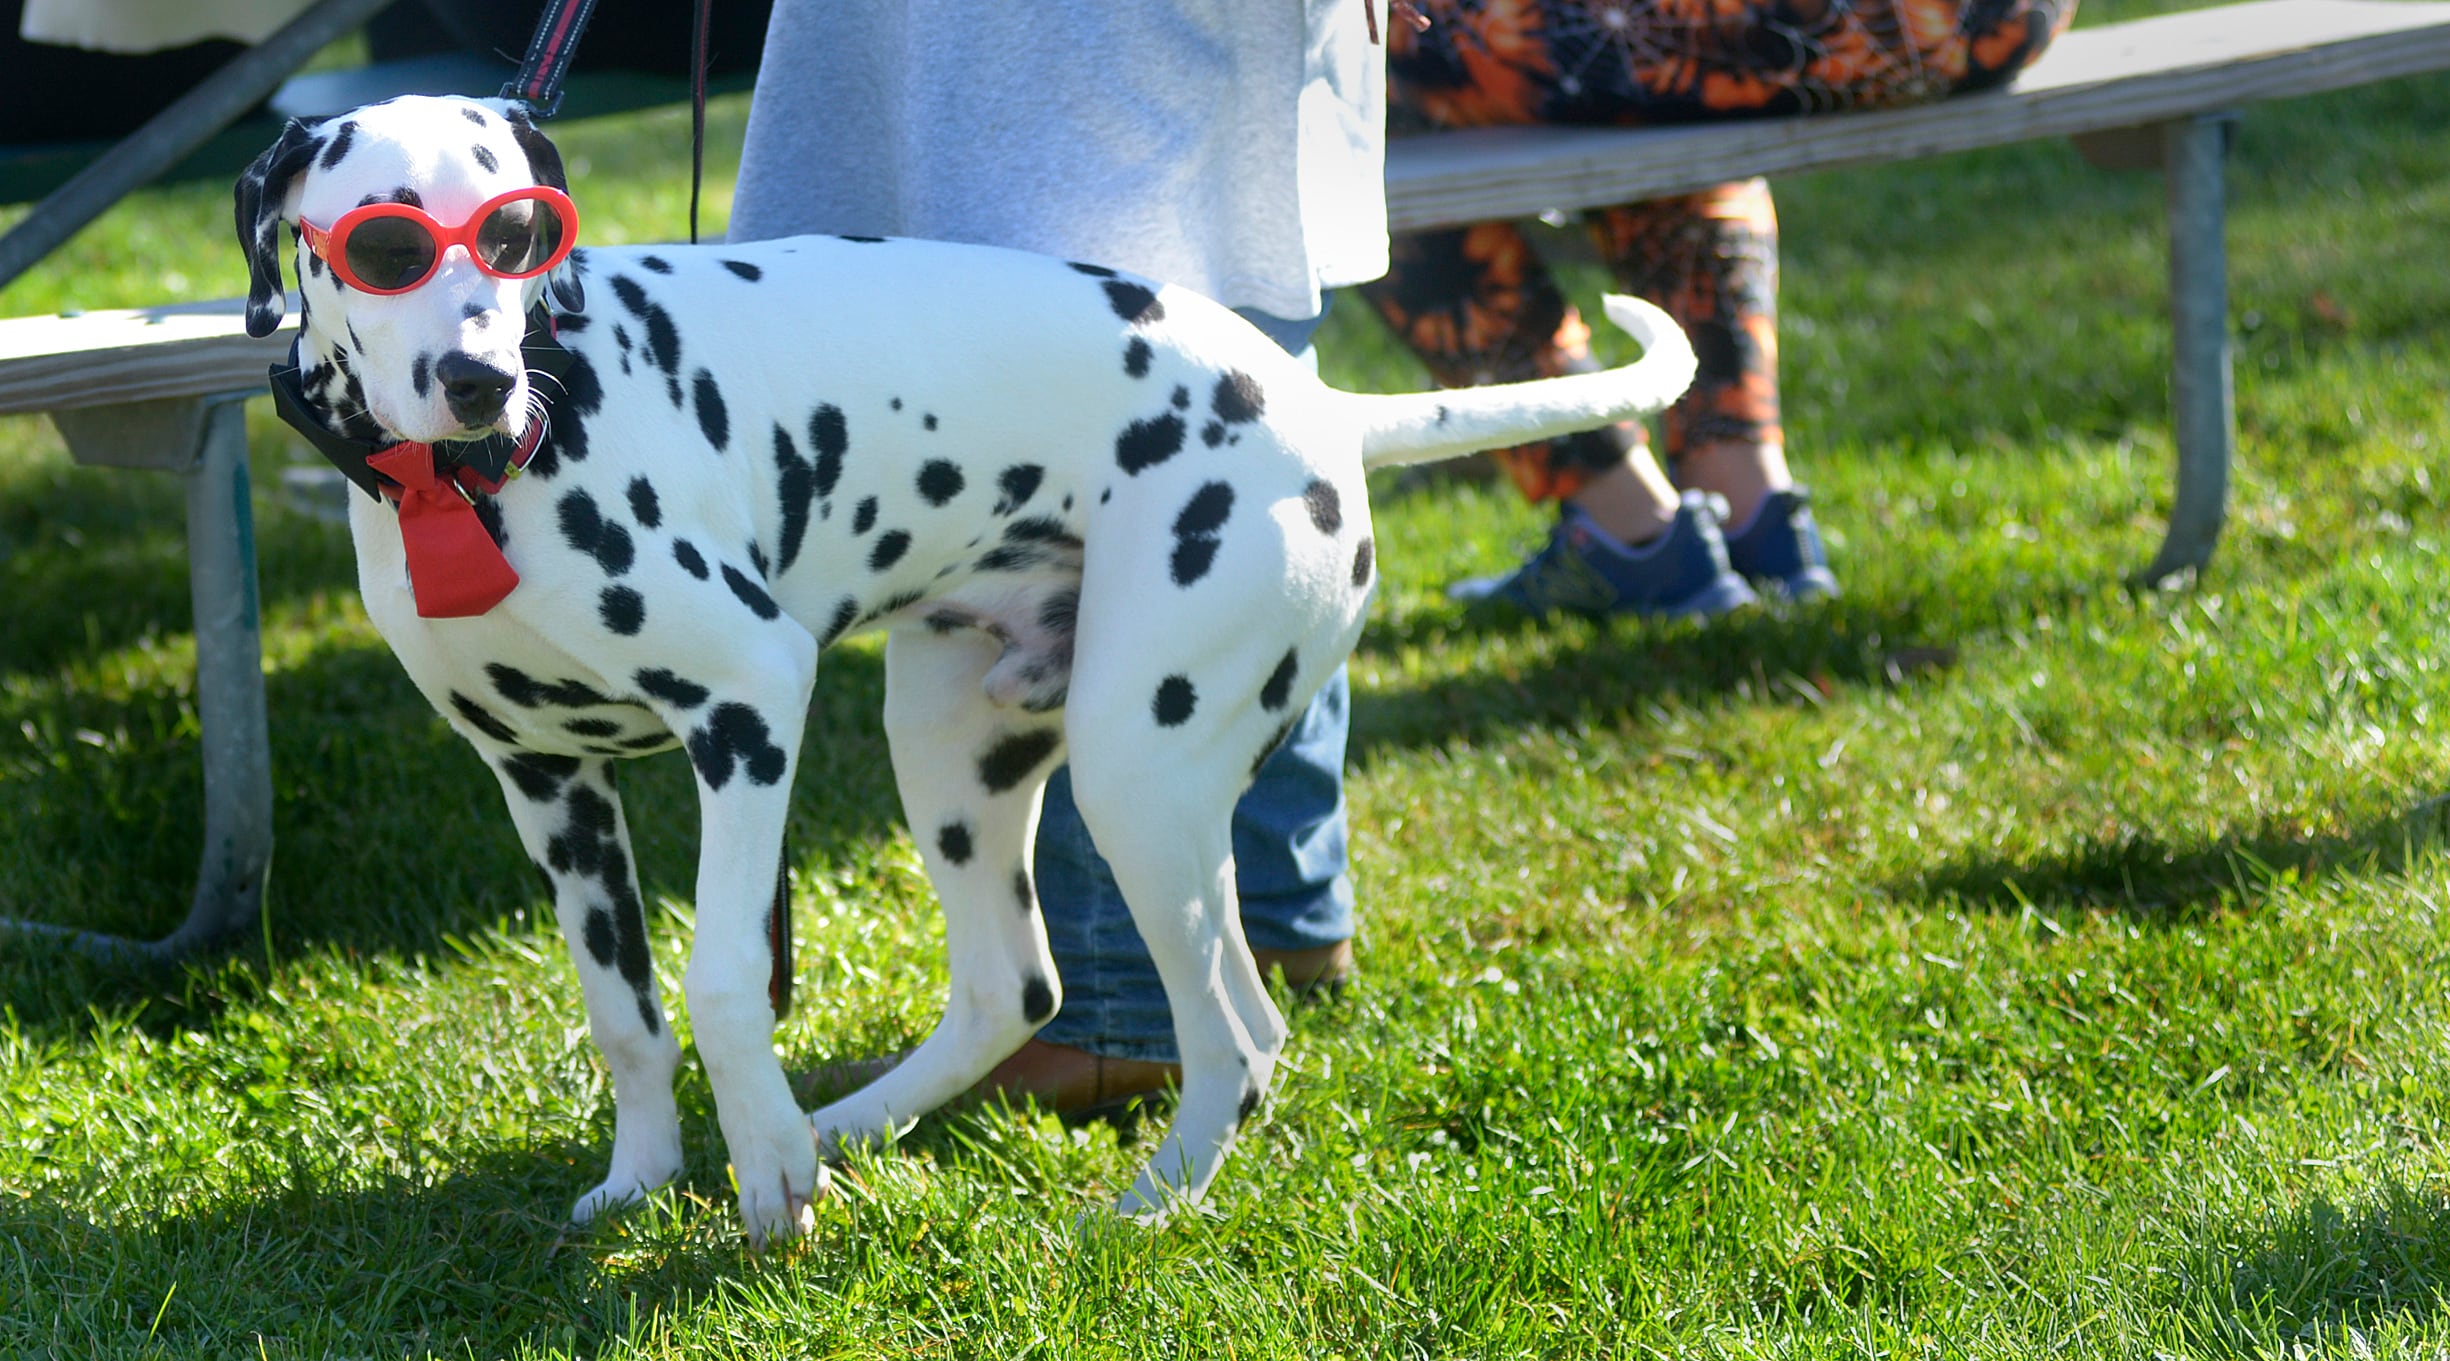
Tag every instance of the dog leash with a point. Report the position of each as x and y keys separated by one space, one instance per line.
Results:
x=549 y=52
x=538 y=84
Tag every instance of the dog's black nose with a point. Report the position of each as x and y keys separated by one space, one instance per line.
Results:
x=474 y=390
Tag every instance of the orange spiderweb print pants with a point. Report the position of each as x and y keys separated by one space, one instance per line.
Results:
x=1478 y=305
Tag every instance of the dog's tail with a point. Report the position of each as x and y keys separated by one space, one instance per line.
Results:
x=1417 y=427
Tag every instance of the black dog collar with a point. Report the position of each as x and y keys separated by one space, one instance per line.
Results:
x=491 y=459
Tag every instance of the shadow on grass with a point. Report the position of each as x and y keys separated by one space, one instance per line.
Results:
x=477 y=1262
x=1625 y=667
x=2158 y=883
x=2308 y=1274
x=389 y=833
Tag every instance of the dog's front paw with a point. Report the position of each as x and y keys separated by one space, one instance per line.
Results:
x=612 y=1194
x=780 y=1185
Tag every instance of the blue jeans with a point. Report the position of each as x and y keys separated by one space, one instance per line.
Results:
x=1289 y=868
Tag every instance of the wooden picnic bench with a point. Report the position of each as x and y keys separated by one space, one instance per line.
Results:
x=161 y=388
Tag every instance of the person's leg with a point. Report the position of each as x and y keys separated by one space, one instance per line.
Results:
x=1477 y=306
x=1710 y=260
x=1113 y=1038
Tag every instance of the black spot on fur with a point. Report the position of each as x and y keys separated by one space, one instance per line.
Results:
x=483 y=155
x=735 y=737
x=539 y=777
x=846 y=613
x=757 y=559
x=655 y=264
x=1238 y=398
x=1134 y=303
x=864 y=240
x=1249 y=1106
x=1060 y=612
x=338 y=147
x=591 y=727
x=1206 y=511
x=1195 y=531
x=663 y=347
x=644 y=507
x=830 y=437
x=713 y=418
x=1093 y=271
x=953 y=842
x=527 y=692
x=489 y=514
x=893 y=604
x=1175 y=701
x=1145 y=444
x=584 y=528
x=1024 y=892
x=795 y=485
x=863 y=519
x=1283 y=731
x=482 y=719
x=1192 y=559
x=1037 y=1000
x=1018 y=483
x=624 y=610
x=751 y=594
x=671 y=688
x=745 y=270
x=691 y=560
x=889 y=549
x=1013 y=757
x=1326 y=506
x=1212 y=434
x=1040 y=529
x=1362 y=563
x=1137 y=356
x=1279 y=687
x=940 y=480
x=421 y=375
x=473 y=115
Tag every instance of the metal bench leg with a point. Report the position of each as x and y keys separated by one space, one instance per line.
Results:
x=2203 y=409
x=237 y=855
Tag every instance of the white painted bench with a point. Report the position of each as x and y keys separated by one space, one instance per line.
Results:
x=161 y=389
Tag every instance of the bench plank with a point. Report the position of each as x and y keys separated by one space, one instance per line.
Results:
x=2116 y=76
x=133 y=355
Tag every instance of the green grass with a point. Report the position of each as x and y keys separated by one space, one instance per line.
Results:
x=1992 y=963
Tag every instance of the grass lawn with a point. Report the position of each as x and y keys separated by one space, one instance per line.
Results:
x=1990 y=963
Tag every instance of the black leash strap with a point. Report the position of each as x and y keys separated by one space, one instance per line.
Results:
x=548 y=55
x=548 y=60
x=697 y=111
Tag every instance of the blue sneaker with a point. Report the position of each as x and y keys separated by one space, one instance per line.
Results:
x=1779 y=548
x=1583 y=569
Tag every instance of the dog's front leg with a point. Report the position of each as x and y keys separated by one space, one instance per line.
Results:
x=743 y=739
x=569 y=819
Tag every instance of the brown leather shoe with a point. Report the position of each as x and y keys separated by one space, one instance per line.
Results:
x=1078 y=1084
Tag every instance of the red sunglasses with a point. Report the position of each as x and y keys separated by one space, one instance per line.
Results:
x=391 y=247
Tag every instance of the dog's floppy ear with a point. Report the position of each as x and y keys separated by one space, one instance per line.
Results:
x=263 y=188
x=544 y=162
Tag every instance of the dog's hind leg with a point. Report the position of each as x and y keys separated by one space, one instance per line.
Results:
x=569 y=819
x=971 y=774
x=1162 y=819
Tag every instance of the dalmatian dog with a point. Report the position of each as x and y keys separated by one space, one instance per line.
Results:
x=1100 y=519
